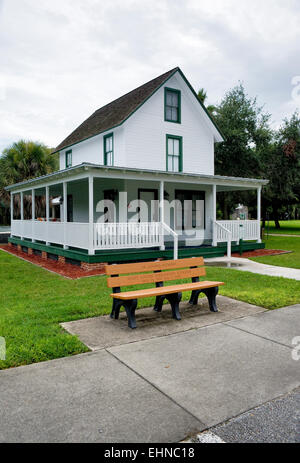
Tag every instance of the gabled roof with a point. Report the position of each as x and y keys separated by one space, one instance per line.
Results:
x=118 y=111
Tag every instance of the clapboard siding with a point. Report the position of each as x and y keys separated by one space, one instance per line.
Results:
x=91 y=150
x=145 y=133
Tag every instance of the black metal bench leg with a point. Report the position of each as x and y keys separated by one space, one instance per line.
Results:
x=117 y=304
x=211 y=294
x=194 y=297
x=174 y=300
x=130 y=307
x=159 y=303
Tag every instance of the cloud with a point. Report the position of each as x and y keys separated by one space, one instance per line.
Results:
x=59 y=61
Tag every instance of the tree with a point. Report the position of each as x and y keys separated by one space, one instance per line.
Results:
x=246 y=132
x=202 y=96
x=22 y=161
x=280 y=164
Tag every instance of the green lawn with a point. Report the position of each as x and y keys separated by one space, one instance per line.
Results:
x=34 y=301
x=287 y=227
x=286 y=244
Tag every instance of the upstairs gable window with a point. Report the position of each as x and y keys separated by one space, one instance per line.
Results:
x=68 y=159
x=108 y=142
x=174 y=153
x=172 y=105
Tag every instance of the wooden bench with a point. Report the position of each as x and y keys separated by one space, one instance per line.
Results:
x=158 y=273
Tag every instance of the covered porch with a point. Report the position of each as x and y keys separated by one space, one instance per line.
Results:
x=66 y=210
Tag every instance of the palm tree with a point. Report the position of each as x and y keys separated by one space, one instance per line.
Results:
x=22 y=161
x=202 y=96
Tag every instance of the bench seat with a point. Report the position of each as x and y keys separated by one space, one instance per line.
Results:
x=159 y=273
x=139 y=294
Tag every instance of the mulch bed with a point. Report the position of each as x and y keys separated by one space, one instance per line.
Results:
x=260 y=253
x=65 y=270
x=74 y=272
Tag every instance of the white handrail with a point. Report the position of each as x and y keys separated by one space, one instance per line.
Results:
x=228 y=236
x=175 y=236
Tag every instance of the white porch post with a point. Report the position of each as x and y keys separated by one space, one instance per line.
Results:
x=91 y=215
x=47 y=214
x=11 y=213
x=214 y=214
x=258 y=214
x=162 y=212
x=33 y=213
x=65 y=206
x=22 y=214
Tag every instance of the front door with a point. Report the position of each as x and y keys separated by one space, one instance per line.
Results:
x=191 y=215
x=151 y=212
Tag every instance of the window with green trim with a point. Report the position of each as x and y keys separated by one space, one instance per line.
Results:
x=108 y=142
x=174 y=153
x=172 y=105
x=68 y=159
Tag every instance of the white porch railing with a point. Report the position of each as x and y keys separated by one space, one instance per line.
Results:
x=129 y=235
x=69 y=234
x=240 y=229
x=105 y=235
x=226 y=231
x=126 y=235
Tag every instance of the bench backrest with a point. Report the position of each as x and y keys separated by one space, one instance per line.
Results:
x=158 y=272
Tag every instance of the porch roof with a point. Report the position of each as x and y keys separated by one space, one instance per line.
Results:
x=85 y=169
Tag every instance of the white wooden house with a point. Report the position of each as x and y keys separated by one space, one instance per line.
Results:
x=154 y=143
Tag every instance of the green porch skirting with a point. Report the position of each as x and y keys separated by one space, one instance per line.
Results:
x=129 y=255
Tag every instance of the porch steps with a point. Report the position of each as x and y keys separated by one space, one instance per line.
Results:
x=127 y=255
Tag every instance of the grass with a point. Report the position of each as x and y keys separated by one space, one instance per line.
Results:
x=34 y=301
x=287 y=227
x=291 y=260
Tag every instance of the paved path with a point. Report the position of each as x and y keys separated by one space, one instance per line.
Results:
x=247 y=265
x=287 y=236
x=156 y=390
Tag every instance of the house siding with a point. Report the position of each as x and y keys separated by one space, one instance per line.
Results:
x=146 y=129
x=92 y=150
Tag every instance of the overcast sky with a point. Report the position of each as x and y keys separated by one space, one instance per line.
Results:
x=62 y=59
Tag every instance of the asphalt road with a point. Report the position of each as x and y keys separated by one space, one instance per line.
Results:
x=277 y=421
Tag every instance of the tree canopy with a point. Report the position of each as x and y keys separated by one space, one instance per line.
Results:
x=253 y=149
x=22 y=161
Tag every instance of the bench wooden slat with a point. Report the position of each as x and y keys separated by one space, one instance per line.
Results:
x=139 y=294
x=129 y=280
x=153 y=266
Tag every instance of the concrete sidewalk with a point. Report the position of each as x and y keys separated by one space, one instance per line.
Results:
x=248 y=265
x=156 y=390
x=103 y=332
